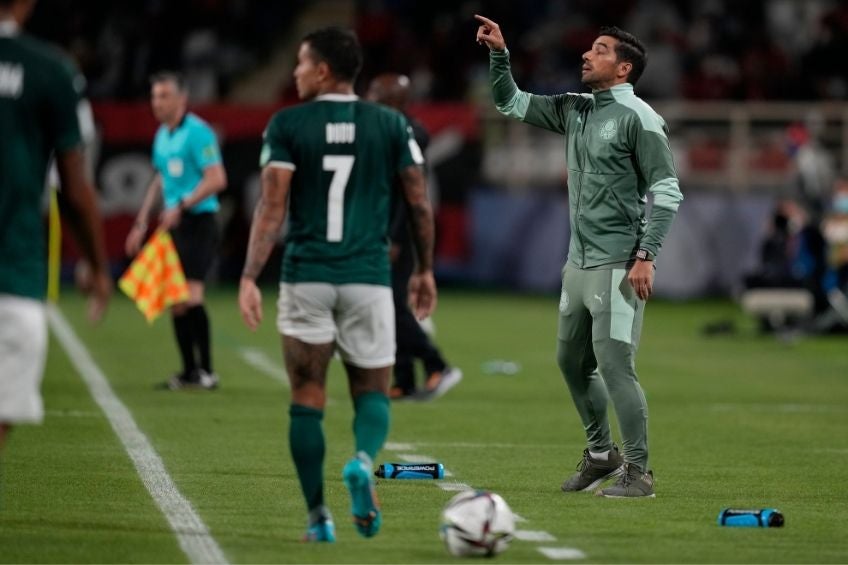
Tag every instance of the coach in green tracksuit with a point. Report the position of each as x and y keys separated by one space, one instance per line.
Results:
x=617 y=151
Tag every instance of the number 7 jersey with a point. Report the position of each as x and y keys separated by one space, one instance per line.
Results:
x=345 y=154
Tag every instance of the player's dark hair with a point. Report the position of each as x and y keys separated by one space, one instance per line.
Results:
x=168 y=76
x=339 y=48
x=628 y=49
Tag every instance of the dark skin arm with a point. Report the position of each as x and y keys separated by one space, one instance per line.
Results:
x=79 y=205
x=422 y=284
x=267 y=221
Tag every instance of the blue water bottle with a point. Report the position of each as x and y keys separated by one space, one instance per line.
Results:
x=410 y=471
x=747 y=518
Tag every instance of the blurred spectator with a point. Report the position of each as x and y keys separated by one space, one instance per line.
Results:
x=835 y=231
x=713 y=49
x=814 y=167
x=788 y=287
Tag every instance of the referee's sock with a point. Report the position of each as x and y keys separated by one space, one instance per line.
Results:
x=200 y=328
x=184 y=334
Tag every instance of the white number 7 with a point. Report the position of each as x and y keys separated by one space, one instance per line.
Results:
x=341 y=165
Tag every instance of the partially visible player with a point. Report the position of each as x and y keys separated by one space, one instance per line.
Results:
x=413 y=343
x=189 y=175
x=331 y=163
x=39 y=94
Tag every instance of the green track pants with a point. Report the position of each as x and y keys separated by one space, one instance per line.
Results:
x=600 y=322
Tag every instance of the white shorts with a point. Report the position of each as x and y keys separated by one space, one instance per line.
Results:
x=360 y=318
x=23 y=351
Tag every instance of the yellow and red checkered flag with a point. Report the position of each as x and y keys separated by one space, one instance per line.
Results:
x=155 y=279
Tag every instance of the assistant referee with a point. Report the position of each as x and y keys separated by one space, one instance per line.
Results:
x=189 y=175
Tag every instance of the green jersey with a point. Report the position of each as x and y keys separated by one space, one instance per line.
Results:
x=345 y=154
x=617 y=152
x=38 y=112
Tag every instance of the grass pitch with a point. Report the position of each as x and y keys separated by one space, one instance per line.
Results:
x=740 y=420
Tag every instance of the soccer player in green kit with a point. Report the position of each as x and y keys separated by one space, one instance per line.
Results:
x=39 y=99
x=331 y=163
x=617 y=151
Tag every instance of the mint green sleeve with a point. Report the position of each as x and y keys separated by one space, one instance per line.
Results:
x=548 y=112
x=656 y=164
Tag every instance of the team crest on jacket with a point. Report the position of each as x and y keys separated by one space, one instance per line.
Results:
x=608 y=130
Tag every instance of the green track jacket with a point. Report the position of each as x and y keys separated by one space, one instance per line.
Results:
x=617 y=151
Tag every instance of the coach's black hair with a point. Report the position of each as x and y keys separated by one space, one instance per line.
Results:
x=628 y=49
x=339 y=48
x=169 y=76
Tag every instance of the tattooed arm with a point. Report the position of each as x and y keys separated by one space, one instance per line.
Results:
x=422 y=285
x=267 y=221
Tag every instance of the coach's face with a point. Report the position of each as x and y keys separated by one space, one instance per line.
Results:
x=601 y=68
x=309 y=73
x=167 y=101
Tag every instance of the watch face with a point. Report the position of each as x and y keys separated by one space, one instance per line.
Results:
x=642 y=254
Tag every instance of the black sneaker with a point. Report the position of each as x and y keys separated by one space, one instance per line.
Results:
x=592 y=472
x=632 y=483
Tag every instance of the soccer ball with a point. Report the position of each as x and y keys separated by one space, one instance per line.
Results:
x=477 y=523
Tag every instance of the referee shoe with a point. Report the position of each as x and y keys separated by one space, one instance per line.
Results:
x=195 y=380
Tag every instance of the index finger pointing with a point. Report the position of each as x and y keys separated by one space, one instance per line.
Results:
x=486 y=21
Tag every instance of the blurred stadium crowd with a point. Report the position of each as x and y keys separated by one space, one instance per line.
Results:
x=707 y=49
x=753 y=92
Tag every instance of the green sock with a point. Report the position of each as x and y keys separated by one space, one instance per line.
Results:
x=371 y=422
x=306 y=441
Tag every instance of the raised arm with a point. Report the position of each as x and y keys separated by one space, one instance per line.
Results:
x=267 y=221
x=422 y=284
x=547 y=112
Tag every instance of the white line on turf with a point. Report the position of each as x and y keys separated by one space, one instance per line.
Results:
x=473 y=445
x=562 y=553
x=193 y=535
x=533 y=535
x=257 y=359
x=768 y=407
x=454 y=486
x=393 y=446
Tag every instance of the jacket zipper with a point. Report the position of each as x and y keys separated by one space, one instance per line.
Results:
x=580 y=193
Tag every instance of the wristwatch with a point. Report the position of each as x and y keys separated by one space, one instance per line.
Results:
x=644 y=255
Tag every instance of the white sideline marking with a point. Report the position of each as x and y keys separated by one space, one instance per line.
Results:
x=257 y=359
x=766 y=407
x=562 y=553
x=193 y=535
x=455 y=487
x=393 y=446
x=493 y=445
x=533 y=535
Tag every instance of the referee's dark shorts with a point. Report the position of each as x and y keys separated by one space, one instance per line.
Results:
x=196 y=239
